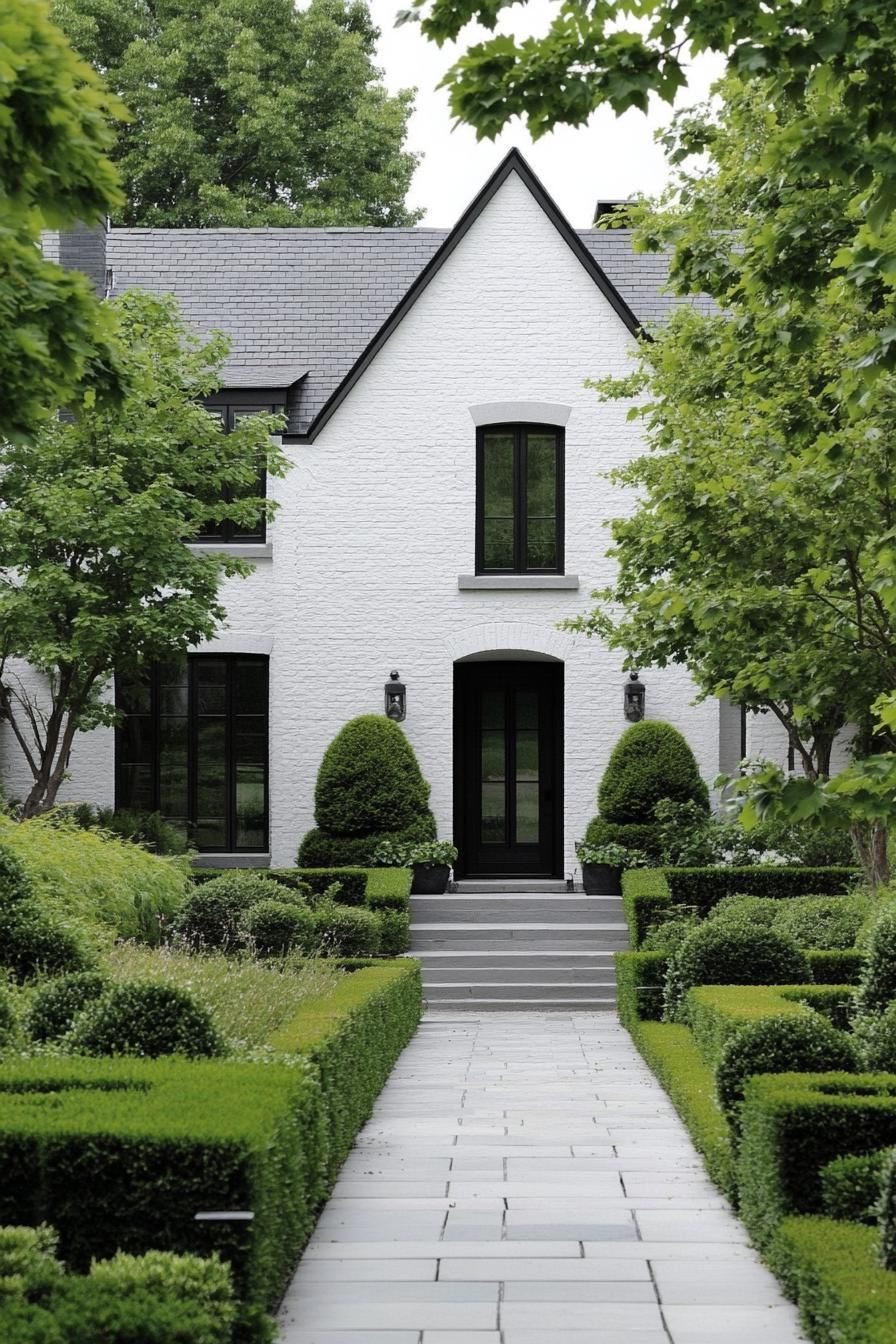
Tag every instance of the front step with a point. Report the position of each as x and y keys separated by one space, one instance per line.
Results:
x=510 y=886
x=525 y=945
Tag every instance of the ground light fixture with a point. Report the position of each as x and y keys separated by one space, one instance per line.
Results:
x=634 y=696
x=396 y=694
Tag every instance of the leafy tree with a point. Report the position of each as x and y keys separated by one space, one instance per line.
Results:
x=55 y=340
x=94 y=574
x=249 y=112
x=825 y=69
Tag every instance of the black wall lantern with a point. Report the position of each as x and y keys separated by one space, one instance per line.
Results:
x=396 y=698
x=633 y=698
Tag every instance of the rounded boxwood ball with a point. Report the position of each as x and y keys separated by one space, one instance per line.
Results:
x=877 y=986
x=346 y=931
x=58 y=1002
x=651 y=761
x=723 y=952
x=277 y=926
x=369 y=780
x=146 y=1017
x=212 y=913
x=788 y=1043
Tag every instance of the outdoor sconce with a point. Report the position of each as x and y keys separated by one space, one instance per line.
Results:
x=396 y=698
x=633 y=697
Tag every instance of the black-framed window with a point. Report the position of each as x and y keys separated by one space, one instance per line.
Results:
x=519 y=499
x=227 y=531
x=193 y=745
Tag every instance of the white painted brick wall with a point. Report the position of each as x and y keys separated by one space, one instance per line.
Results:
x=377 y=522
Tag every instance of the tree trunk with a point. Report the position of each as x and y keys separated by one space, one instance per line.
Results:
x=870 y=840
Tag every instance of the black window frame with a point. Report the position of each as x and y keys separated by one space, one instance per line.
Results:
x=230 y=819
x=226 y=532
x=520 y=431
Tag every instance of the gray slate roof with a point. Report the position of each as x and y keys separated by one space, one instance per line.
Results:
x=302 y=304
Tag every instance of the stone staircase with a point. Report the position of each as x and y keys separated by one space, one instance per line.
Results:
x=510 y=945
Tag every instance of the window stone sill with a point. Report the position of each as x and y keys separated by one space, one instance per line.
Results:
x=232 y=861
x=480 y=582
x=246 y=550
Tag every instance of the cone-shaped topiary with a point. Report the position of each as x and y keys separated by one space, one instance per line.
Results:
x=650 y=761
x=369 y=788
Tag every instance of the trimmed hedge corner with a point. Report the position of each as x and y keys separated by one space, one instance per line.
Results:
x=793 y=1125
x=645 y=897
x=640 y=977
x=829 y=1268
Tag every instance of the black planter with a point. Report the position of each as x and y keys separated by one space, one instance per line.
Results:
x=430 y=879
x=601 y=879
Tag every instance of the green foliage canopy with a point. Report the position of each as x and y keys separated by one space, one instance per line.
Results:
x=96 y=578
x=825 y=68
x=249 y=112
x=55 y=340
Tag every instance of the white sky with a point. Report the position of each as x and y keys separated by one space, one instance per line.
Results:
x=611 y=158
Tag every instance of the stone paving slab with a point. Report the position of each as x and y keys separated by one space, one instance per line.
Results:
x=525 y=1180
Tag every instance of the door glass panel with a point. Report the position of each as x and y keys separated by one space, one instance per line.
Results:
x=526 y=813
x=527 y=755
x=493 y=813
x=497 y=464
x=493 y=709
x=541 y=502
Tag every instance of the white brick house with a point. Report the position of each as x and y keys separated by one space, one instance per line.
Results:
x=394 y=352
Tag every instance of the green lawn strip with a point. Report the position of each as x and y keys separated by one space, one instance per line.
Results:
x=830 y=1269
x=673 y=1056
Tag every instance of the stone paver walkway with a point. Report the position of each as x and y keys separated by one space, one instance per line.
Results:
x=525 y=1180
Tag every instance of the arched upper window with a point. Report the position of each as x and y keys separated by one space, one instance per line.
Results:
x=519 y=499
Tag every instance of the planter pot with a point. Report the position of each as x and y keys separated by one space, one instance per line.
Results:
x=430 y=879
x=601 y=879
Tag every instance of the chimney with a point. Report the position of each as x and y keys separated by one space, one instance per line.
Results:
x=81 y=248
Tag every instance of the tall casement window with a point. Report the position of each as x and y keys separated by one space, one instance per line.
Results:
x=519 y=499
x=227 y=531
x=193 y=745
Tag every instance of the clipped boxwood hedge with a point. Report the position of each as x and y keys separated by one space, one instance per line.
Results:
x=353 y=1035
x=388 y=888
x=645 y=900
x=836 y=968
x=132 y=1149
x=640 y=977
x=793 y=1125
x=704 y=887
x=830 y=1269
x=851 y=1186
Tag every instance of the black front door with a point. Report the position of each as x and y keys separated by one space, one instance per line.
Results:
x=508 y=771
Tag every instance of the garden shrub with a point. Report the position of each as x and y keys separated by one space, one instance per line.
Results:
x=828 y=923
x=147 y=1018
x=669 y=935
x=723 y=953
x=836 y=968
x=632 y=834
x=8 y=1019
x=315 y=881
x=830 y=1269
x=32 y=943
x=131 y=1149
x=793 y=1125
x=887 y=1211
x=876 y=1039
x=651 y=761
x=212 y=913
x=645 y=901
x=877 y=986
x=746 y=910
x=275 y=927
x=717 y=1013
x=149 y=829
x=84 y=1312
x=804 y=1042
x=353 y=1036
x=201 y=1280
x=346 y=932
x=395 y=932
x=851 y=1186
x=97 y=881
x=640 y=977
x=58 y=1002
x=703 y=888
x=28 y=1263
x=388 y=888
x=321 y=850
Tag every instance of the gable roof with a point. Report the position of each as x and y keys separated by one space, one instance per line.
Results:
x=323 y=301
